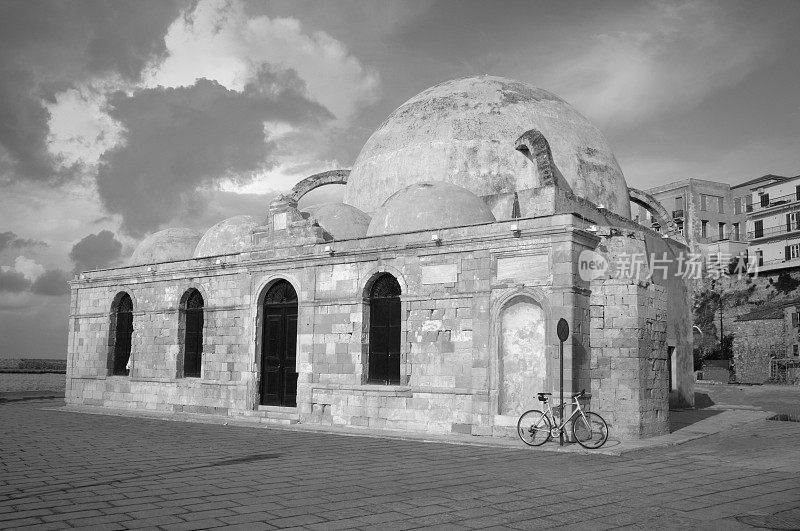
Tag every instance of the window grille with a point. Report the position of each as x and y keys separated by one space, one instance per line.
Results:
x=384 y=331
x=193 y=339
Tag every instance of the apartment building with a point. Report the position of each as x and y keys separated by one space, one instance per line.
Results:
x=706 y=214
x=773 y=222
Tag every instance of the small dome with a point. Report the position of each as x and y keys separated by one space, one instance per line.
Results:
x=229 y=236
x=340 y=220
x=463 y=132
x=429 y=206
x=166 y=246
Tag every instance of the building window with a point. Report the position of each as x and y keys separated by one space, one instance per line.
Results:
x=737 y=205
x=760 y=258
x=192 y=310
x=764 y=200
x=792 y=252
x=796 y=349
x=679 y=203
x=721 y=204
x=748 y=200
x=792 y=221
x=703 y=202
x=704 y=230
x=758 y=231
x=384 y=331
x=736 y=232
x=121 y=332
x=795 y=319
x=721 y=231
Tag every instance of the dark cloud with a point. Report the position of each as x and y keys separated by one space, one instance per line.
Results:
x=96 y=251
x=9 y=240
x=13 y=282
x=180 y=139
x=46 y=47
x=52 y=283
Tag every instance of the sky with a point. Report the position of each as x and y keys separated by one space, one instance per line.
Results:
x=120 y=118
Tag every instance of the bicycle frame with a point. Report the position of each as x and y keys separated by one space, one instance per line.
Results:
x=558 y=429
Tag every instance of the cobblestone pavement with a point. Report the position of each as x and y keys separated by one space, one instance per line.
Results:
x=60 y=469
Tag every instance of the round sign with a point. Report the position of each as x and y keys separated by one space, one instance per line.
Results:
x=562 y=330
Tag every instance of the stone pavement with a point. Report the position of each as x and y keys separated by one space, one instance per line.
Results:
x=63 y=469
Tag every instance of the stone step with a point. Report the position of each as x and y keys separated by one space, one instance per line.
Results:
x=259 y=419
x=274 y=414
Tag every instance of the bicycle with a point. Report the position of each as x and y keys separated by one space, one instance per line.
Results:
x=588 y=429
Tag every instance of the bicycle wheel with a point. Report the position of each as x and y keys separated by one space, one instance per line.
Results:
x=591 y=431
x=533 y=427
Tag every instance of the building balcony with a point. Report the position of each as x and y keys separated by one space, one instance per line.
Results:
x=773 y=202
x=769 y=232
x=728 y=238
x=777 y=264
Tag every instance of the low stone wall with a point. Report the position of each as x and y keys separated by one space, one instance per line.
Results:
x=753 y=344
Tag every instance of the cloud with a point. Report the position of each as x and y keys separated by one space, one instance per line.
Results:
x=80 y=130
x=47 y=47
x=51 y=283
x=96 y=251
x=30 y=269
x=12 y=281
x=178 y=140
x=218 y=40
x=9 y=240
x=667 y=57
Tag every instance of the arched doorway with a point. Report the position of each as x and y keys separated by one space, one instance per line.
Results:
x=278 y=346
x=523 y=361
x=122 y=332
x=384 y=331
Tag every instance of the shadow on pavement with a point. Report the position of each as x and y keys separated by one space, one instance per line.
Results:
x=123 y=477
x=18 y=396
x=681 y=418
x=702 y=400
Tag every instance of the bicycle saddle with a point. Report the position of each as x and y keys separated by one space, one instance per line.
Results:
x=543 y=396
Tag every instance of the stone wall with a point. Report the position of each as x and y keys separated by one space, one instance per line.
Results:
x=753 y=344
x=454 y=295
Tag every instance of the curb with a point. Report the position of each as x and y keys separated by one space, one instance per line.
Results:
x=727 y=418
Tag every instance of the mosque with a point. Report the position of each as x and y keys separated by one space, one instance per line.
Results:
x=426 y=301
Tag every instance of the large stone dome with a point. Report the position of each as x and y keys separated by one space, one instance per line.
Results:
x=429 y=206
x=166 y=246
x=343 y=222
x=229 y=236
x=463 y=132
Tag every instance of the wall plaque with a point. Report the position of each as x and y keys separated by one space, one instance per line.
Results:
x=440 y=274
x=531 y=267
x=279 y=221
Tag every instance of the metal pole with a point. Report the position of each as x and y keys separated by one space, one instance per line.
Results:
x=562 y=329
x=561 y=386
x=721 y=334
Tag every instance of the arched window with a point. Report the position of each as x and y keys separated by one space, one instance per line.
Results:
x=384 y=331
x=193 y=334
x=122 y=330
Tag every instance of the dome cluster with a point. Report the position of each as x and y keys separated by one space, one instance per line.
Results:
x=463 y=132
x=428 y=165
x=226 y=237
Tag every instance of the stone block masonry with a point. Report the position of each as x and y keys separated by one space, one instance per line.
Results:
x=461 y=369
